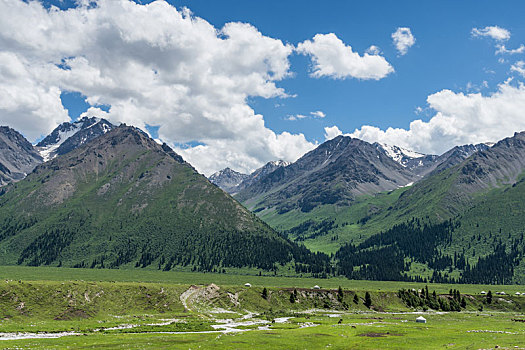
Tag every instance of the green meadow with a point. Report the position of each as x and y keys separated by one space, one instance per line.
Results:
x=60 y=308
x=233 y=277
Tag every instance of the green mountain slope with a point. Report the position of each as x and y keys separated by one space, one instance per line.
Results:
x=479 y=202
x=123 y=199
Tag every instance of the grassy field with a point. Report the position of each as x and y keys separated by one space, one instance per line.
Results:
x=141 y=309
x=366 y=331
x=26 y=273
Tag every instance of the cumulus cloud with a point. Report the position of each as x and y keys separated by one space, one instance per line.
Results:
x=494 y=32
x=501 y=49
x=331 y=132
x=318 y=114
x=519 y=67
x=153 y=65
x=332 y=58
x=403 y=40
x=459 y=119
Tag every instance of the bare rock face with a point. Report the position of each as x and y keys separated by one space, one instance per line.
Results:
x=228 y=179
x=17 y=156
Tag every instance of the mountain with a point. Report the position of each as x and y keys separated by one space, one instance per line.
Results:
x=261 y=173
x=464 y=223
x=461 y=220
x=124 y=200
x=17 y=156
x=404 y=156
x=227 y=179
x=68 y=136
x=424 y=164
x=447 y=160
x=336 y=172
x=456 y=186
x=232 y=181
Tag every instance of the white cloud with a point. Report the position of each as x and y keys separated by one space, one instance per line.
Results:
x=153 y=65
x=501 y=49
x=373 y=50
x=332 y=58
x=403 y=40
x=519 y=67
x=331 y=132
x=476 y=87
x=459 y=119
x=296 y=117
x=318 y=114
x=494 y=32
x=27 y=103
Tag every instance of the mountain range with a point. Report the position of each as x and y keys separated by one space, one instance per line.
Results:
x=92 y=194
x=462 y=208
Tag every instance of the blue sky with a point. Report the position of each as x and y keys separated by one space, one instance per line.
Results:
x=446 y=56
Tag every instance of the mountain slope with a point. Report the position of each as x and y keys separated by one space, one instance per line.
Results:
x=454 y=188
x=261 y=173
x=448 y=159
x=464 y=223
x=17 y=156
x=68 y=136
x=123 y=199
x=336 y=172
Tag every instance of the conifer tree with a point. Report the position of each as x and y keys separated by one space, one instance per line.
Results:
x=368 y=300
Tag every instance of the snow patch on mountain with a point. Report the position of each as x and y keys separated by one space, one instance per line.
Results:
x=68 y=136
x=399 y=154
x=49 y=152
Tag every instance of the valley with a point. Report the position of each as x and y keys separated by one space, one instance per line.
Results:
x=80 y=308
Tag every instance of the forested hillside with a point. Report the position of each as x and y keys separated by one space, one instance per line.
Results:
x=124 y=200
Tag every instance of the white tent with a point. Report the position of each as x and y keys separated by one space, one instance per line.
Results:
x=483 y=292
x=317 y=287
x=247 y=285
x=421 y=319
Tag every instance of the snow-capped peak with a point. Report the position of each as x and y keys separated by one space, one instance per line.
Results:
x=48 y=152
x=399 y=154
x=54 y=143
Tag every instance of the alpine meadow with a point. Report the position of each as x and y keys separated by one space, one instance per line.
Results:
x=180 y=174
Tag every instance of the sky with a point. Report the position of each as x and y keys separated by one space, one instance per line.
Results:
x=240 y=83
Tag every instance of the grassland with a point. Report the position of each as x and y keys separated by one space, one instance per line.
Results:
x=465 y=331
x=233 y=278
x=145 y=309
